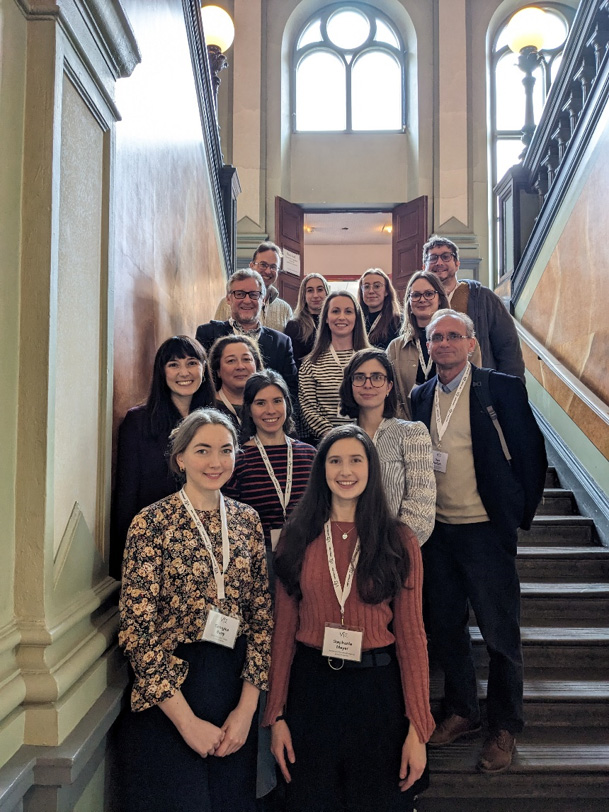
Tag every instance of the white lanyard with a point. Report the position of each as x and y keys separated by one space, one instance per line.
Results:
x=375 y=322
x=342 y=593
x=218 y=574
x=442 y=426
x=426 y=367
x=284 y=499
x=336 y=358
x=228 y=405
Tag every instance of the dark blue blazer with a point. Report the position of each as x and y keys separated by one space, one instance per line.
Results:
x=275 y=348
x=510 y=492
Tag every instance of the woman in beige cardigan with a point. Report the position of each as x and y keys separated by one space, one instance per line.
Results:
x=408 y=352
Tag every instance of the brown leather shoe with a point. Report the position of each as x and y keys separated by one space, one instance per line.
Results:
x=497 y=752
x=452 y=728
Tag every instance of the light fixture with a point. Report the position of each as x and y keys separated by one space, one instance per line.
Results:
x=387 y=229
x=525 y=35
x=219 y=33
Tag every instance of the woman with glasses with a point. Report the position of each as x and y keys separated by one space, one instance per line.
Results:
x=368 y=395
x=408 y=353
x=380 y=306
x=302 y=328
x=232 y=360
x=348 y=702
x=340 y=333
x=181 y=383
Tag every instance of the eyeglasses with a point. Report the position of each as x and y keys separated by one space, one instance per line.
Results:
x=428 y=295
x=264 y=266
x=437 y=338
x=373 y=286
x=431 y=259
x=377 y=379
x=241 y=294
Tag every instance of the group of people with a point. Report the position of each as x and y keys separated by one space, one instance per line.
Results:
x=277 y=497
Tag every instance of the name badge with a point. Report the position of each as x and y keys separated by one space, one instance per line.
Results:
x=343 y=642
x=221 y=629
x=275 y=538
x=440 y=459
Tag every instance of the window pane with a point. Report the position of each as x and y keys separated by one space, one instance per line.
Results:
x=509 y=93
x=555 y=31
x=507 y=155
x=348 y=28
x=385 y=34
x=376 y=92
x=312 y=33
x=320 y=93
x=555 y=66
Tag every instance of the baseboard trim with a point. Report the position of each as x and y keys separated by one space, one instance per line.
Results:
x=591 y=500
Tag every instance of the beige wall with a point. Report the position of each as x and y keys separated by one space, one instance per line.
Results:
x=339 y=260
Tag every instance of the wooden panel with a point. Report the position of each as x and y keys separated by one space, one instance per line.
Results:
x=409 y=235
x=289 y=235
x=288 y=286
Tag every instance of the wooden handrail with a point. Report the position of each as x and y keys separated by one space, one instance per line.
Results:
x=579 y=389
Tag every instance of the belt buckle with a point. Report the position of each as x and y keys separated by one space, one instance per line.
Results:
x=341 y=666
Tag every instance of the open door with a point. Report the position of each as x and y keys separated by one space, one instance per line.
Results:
x=289 y=236
x=409 y=237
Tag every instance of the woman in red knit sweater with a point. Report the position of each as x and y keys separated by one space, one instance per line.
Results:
x=349 y=695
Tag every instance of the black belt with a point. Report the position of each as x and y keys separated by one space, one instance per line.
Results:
x=373 y=658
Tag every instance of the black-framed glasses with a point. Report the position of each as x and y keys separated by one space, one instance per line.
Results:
x=431 y=259
x=437 y=338
x=241 y=294
x=428 y=295
x=377 y=379
x=265 y=266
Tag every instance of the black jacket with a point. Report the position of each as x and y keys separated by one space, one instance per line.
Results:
x=275 y=348
x=510 y=492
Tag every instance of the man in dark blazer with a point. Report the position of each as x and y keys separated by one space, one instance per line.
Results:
x=490 y=477
x=245 y=295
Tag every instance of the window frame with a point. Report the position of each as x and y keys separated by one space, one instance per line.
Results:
x=368 y=46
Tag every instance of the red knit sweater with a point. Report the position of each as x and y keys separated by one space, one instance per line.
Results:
x=304 y=621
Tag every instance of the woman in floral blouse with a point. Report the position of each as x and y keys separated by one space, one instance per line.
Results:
x=196 y=627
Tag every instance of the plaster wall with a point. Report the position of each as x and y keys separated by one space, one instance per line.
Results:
x=168 y=272
x=346 y=260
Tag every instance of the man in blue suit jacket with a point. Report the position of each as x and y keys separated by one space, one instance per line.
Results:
x=245 y=295
x=489 y=483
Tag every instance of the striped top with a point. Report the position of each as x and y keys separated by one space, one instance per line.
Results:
x=318 y=386
x=251 y=484
x=399 y=621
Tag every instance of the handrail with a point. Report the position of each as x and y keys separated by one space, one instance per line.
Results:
x=592 y=401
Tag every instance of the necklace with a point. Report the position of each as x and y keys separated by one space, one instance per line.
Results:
x=345 y=533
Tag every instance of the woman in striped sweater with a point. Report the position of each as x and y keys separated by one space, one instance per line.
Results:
x=340 y=333
x=368 y=394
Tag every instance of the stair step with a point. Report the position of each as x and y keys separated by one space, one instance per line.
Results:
x=556 y=501
x=566 y=563
x=551 y=477
x=563 y=601
x=550 y=764
x=558 y=530
x=566 y=646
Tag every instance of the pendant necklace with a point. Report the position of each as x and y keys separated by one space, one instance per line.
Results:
x=345 y=534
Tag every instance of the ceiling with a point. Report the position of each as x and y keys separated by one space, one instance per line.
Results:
x=347 y=228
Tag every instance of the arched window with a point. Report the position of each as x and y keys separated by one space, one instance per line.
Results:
x=349 y=72
x=507 y=90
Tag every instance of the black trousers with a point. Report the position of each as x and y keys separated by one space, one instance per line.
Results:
x=348 y=728
x=159 y=772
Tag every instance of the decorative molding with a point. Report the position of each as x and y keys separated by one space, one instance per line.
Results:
x=591 y=500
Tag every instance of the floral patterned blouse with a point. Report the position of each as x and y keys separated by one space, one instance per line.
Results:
x=168 y=585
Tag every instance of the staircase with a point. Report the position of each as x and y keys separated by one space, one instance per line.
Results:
x=562 y=757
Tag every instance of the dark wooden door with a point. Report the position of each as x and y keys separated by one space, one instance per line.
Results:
x=289 y=236
x=409 y=236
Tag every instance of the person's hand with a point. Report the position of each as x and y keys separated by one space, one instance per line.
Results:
x=202 y=736
x=281 y=746
x=235 y=728
x=414 y=758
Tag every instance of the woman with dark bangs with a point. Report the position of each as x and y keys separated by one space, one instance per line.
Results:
x=380 y=306
x=180 y=384
x=348 y=703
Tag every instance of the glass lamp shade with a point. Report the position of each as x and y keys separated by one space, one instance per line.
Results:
x=218 y=27
x=526 y=28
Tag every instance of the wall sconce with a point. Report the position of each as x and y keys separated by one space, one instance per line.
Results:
x=219 y=33
x=526 y=33
x=387 y=229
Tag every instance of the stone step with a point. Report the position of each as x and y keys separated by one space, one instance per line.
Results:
x=551 y=765
x=551 y=478
x=563 y=563
x=556 y=501
x=555 y=647
x=544 y=601
x=558 y=530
